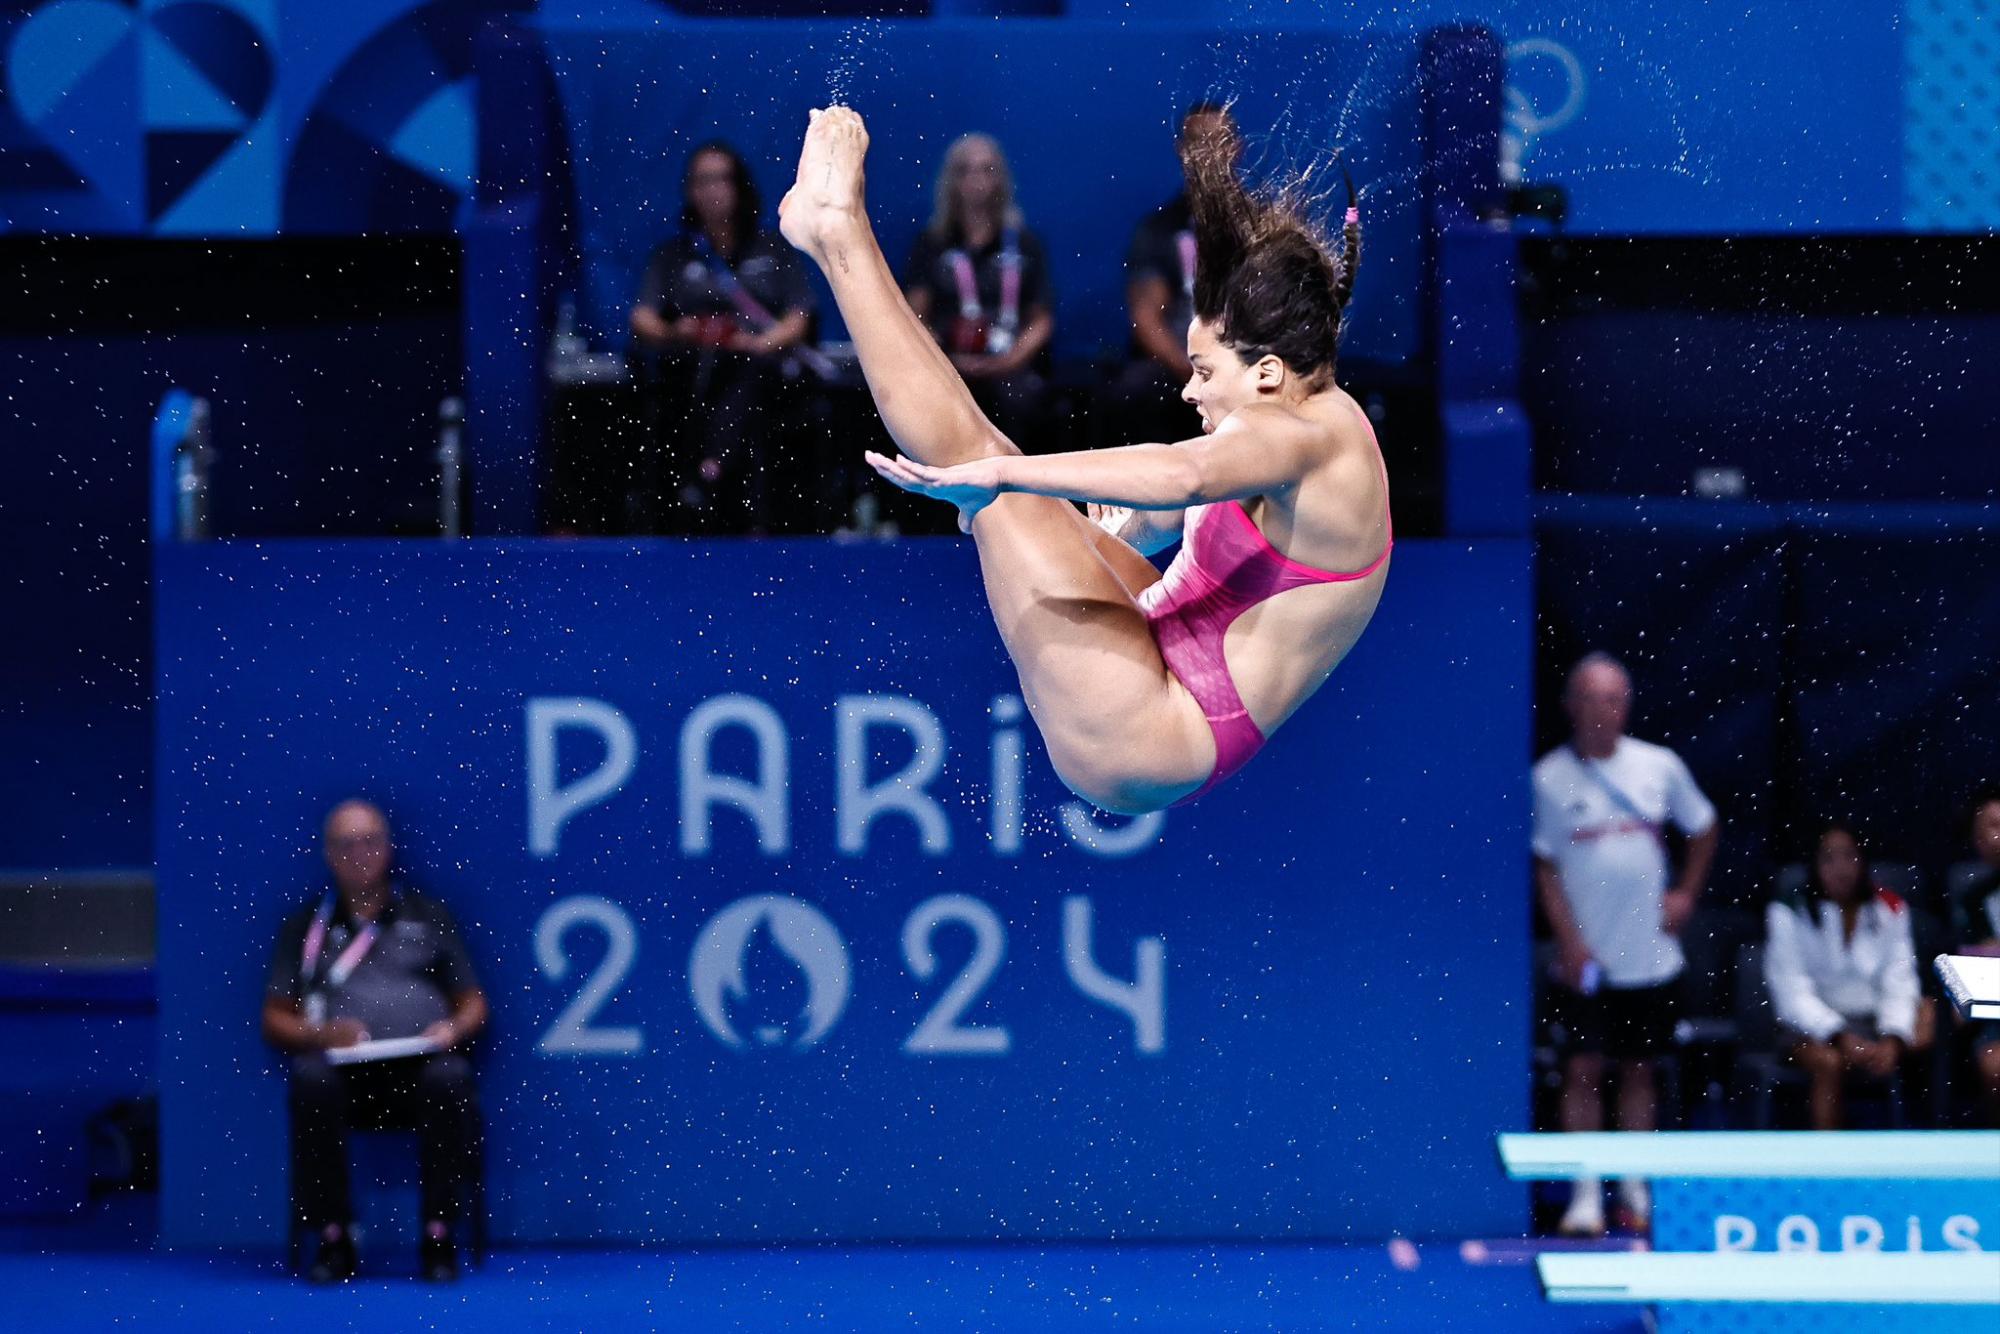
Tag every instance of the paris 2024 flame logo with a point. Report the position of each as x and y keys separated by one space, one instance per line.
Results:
x=769 y=971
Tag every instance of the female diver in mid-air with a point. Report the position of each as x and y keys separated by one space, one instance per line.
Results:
x=1148 y=689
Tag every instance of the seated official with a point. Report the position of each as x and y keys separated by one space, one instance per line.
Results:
x=1842 y=971
x=372 y=959
x=979 y=280
x=1145 y=399
x=723 y=307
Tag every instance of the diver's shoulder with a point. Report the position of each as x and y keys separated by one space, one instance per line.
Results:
x=1276 y=419
x=1348 y=437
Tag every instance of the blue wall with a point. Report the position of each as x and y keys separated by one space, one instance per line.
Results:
x=1344 y=925
x=258 y=115
x=1867 y=114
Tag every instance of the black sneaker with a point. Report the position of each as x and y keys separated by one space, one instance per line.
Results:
x=437 y=1259
x=335 y=1262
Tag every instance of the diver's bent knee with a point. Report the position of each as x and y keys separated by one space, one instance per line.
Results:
x=1114 y=791
x=1129 y=799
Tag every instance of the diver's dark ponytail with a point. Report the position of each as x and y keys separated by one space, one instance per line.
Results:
x=1350 y=243
x=1225 y=216
x=1265 y=276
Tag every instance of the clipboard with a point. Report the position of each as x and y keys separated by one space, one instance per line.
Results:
x=381 y=1049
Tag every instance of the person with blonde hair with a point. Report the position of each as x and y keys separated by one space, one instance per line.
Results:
x=979 y=278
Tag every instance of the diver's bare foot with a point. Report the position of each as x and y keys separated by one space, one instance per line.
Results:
x=826 y=199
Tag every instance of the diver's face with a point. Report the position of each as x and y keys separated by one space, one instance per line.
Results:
x=1221 y=382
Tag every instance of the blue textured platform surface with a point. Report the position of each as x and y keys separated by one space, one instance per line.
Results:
x=1079 y=1287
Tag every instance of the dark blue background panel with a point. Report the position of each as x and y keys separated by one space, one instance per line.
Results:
x=323 y=362
x=933 y=1029
x=1820 y=368
x=1693 y=605
x=1811 y=662
x=1899 y=680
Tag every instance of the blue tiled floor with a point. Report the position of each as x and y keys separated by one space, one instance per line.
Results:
x=1054 y=1287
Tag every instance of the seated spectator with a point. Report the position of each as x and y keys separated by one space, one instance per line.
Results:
x=1975 y=929
x=1842 y=973
x=979 y=278
x=1145 y=399
x=722 y=305
x=369 y=959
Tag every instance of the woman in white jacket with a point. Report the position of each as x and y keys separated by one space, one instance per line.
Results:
x=1842 y=970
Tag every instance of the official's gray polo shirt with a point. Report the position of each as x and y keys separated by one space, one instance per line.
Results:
x=404 y=983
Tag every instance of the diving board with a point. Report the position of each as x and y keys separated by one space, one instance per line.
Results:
x=1790 y=1232
x=1839 y=1155
x=1968 y=1278
x=1973 y=983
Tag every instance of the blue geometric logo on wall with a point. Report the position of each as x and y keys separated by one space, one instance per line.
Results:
x=237 y=117
x=207 y=80
x=388 y=144
x=132 y=105
x=67 y=77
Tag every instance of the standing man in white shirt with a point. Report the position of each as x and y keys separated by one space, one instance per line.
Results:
x=1602 y=802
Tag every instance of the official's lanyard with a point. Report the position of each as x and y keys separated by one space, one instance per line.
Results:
x=1010 y=281
x=754 y=311
x=732 y=287
x=1617 y=795
x=351 y=957
x=1184 y=242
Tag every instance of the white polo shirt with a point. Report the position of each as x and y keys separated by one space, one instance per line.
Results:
x=1609 y=853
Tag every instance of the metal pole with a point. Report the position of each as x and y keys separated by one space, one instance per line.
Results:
x=451 y=466
x=192 y=462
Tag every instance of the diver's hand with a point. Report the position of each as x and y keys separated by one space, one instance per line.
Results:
x=970 y=486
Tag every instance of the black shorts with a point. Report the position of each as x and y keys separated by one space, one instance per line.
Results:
x=1625 y=1023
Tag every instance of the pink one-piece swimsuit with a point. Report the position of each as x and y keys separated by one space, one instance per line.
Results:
x=1225 y=567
